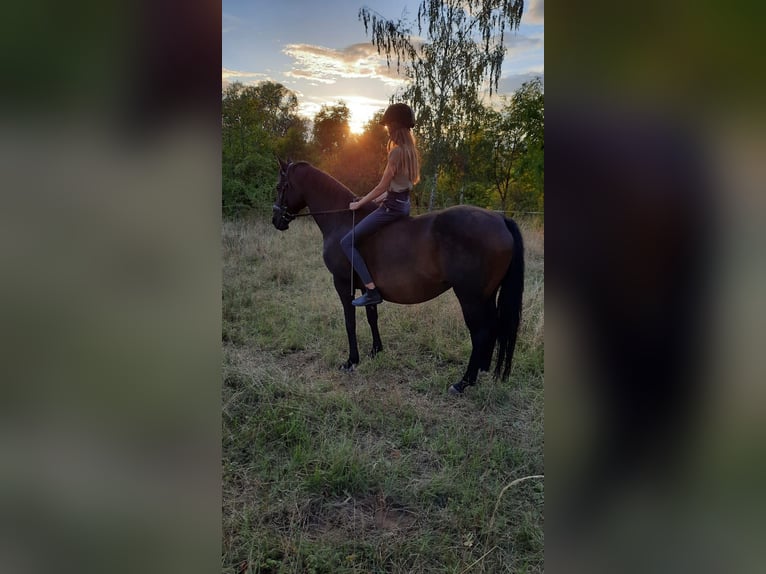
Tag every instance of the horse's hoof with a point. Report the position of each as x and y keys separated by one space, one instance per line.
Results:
x=374 y=351
x=455 y=390
x=347 y=367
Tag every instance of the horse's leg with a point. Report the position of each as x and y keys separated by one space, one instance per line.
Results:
x=489 y=348
x=479 y=315
x=372 y=319
x=349 y=314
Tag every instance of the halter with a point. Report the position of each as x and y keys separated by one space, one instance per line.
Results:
x=281 y=209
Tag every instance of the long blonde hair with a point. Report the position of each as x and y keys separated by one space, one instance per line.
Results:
x=409 y=160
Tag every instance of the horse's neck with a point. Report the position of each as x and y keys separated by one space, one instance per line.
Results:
x=326 y=196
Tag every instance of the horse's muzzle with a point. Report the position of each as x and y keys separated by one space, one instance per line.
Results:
x=281 y=218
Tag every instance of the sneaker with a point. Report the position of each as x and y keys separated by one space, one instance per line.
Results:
x=371 y=297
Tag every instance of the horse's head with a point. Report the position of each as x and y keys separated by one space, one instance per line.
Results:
x=288 y=202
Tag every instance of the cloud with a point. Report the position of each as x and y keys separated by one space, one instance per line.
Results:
x=326 y=65
x=513 y=82
x=228 y=76
x=310 y=76
x=535 y=14
x=525 y=55
x=520 y=43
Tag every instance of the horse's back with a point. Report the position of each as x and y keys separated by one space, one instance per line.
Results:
x=418 y=258
x=475 y=247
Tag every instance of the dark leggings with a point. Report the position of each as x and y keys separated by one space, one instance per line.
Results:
x=391 y=209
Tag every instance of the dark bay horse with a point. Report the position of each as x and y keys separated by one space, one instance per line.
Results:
x=477 y=253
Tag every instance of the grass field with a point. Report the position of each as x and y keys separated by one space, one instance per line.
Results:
x=379 y=471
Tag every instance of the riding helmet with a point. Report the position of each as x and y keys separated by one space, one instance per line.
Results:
x=401 y=114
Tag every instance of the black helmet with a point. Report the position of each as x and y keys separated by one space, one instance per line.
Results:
x=401 y=114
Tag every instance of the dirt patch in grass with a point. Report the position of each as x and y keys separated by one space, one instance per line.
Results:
x=353 y=517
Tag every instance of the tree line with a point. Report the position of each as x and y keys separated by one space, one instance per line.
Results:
x=497 y=162
x=450 y=55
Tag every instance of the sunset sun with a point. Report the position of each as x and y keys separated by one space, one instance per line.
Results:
x=362 y=110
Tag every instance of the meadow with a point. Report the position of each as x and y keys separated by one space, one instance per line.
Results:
x=380 y=470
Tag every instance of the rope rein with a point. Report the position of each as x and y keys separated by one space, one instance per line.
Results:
x=307 y=213
x=287 y=216
x=353 y=233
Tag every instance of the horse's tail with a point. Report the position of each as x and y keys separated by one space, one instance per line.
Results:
x=509 y=304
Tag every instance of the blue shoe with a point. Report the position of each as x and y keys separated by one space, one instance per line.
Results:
x=371 y=297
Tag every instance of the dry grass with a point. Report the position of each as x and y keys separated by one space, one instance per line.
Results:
x=381 y=470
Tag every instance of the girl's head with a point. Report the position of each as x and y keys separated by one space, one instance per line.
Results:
x=399 y=119
x=399 y=114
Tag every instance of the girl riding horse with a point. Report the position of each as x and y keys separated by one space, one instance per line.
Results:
x=393 y=193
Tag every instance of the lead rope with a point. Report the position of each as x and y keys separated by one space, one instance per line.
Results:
x=353 y=232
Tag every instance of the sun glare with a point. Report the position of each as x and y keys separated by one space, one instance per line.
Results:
x=356 y=126
x=362 y=111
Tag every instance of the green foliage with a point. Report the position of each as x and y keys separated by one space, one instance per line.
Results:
x=257 y=122
x=458 y=51
x=331 y=128
x=235 y=195
x=295 y=142
x=499 y=162
x=512 y=140
x=251 y=183
x=470 y=153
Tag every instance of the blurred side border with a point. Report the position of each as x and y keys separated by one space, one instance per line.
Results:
x=654 y=402
x=111 y=292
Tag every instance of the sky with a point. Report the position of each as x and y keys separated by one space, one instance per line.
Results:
x=320 y=51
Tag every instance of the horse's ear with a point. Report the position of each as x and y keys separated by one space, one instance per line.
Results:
x=282 y=163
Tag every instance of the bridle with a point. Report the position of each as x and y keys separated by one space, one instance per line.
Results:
x=281 y=208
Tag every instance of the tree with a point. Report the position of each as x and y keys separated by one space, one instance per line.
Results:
x=516 y=134
x=257 y=122
x=295 y=143
x=530 y=105
x=331 y=128
x=462 y=54
x=278 y=107
x=252 y=113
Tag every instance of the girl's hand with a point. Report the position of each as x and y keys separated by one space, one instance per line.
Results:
x=354 y=205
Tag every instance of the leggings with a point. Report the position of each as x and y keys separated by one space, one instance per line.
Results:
x=390 y=210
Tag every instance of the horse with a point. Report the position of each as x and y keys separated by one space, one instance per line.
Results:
x=477 y=253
